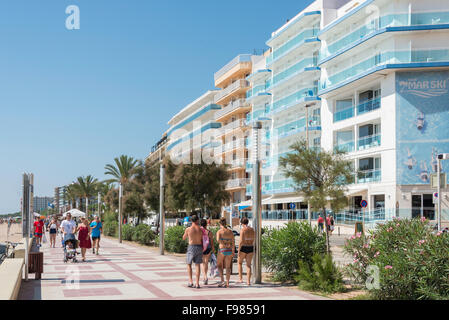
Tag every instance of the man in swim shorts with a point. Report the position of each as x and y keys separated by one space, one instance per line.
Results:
x=194 y=250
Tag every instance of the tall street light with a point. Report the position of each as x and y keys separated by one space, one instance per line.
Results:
x=161 y=210
x=120 y=195
x=309 y=215
x=442 y=156
x=257 y=203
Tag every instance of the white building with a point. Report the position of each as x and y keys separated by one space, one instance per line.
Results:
x=374 y=78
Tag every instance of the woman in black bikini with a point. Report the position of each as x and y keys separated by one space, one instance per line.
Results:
x=246 y=250
x=209 y=250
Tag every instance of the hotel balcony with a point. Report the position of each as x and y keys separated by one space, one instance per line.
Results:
x=223 y=97
x=240 y=123
x=238 y=67
x=385 y=60
x=236 y=106
x=237 y=163
x=233 y=145
x=390 y=22
x=236 y=184
x=368 y=176
x=364 y=107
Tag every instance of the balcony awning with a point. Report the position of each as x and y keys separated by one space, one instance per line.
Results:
x=292 y=199
x=245 y=204
x=355 y=191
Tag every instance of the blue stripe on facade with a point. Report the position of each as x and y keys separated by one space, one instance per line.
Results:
x=213 y=125
x=194 y=116
x=383 y=67
x=381 y=31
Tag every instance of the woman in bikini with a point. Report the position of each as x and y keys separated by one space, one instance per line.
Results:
x=226 y=248
x=209 y=249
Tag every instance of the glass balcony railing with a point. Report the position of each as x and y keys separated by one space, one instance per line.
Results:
x=393 y=20
x=368 y=142
x=293 y=43
x=390 y=57
x=344 y=114
x=254 y=91
x=368 y=106
x=292 y=71
x=296 y=126
x=369 y=176
x=293 y=99
x=345 y=147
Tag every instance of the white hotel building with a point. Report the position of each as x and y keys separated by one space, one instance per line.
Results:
x=370 y=77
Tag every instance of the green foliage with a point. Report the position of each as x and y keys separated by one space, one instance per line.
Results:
x=411 y=259
x=283 y=249
x=127 y=232
x=173 y=240
x=214 y=231
x=143 y=234
x=323 y=276
x=192 y=186
x=320 y=175
x=110 y=228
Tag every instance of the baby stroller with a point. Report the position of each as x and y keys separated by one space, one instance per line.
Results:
x=70 y=245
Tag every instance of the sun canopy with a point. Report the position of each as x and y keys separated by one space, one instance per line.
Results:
x=75 y=213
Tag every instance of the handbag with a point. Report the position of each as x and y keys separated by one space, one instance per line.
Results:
x=213 y=266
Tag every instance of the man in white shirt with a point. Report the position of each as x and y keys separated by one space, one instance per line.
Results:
x=68 y=228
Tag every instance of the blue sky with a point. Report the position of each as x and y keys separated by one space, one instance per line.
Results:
x=71 y=101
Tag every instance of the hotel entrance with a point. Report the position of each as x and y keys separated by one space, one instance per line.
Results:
x=422 y=206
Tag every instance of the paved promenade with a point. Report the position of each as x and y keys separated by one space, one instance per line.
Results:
x=122 y=271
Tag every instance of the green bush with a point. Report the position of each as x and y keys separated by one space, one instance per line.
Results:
x=411 y=259
x=173 y=240
x=128 y=232
x=323 y=276
x=110 y=228
x=282 y=249
x=214 y=231
x=143 y=234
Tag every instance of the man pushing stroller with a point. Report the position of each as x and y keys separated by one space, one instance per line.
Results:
x=68 y=227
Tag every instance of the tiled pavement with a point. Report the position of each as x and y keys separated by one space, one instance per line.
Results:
x=122 y=271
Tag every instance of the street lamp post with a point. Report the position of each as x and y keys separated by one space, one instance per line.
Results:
x=309 y=215
x=120 y=194
x=161 y=210
x=257 y=203
x=443 y=156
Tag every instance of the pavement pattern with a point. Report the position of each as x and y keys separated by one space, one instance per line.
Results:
x=122 y=271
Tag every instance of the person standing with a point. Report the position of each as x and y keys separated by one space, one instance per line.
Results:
x=83 y=237
x=246 y=249
x=226 y=245
x=332 y=223
x=52 y=228
x=208 y=247
x=38 y=230
x=96 y=230
x=68 y=228
x=194 y=250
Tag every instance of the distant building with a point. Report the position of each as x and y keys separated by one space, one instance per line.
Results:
x=41 y=203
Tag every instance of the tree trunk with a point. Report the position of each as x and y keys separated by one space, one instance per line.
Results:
x=327 y=232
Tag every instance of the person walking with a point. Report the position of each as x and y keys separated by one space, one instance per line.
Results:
x=84 y=237
x=38 y=230
x=226 y=249
x=52 y=228
x=96 y=230
x=208 y=247
x=194 y=250
x=68 y=228
x=246 y=249
x=320 y=223
x=332 y=223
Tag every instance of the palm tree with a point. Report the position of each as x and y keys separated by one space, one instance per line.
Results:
x=71 y=194
x=123 y=170
x=122 y=173
x=87 y=187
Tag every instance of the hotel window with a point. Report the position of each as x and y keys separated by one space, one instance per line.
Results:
x=343 y=104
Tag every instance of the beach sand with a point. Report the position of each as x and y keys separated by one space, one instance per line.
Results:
x=15 y=233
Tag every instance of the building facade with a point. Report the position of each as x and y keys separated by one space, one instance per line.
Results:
x=42 y=203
